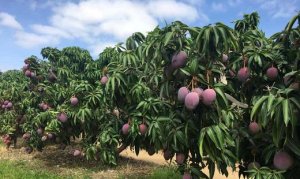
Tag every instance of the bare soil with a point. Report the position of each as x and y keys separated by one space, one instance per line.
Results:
x=159 y=160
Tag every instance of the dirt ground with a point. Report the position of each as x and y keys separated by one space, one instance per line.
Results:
x=159 y=160
x=62 y=162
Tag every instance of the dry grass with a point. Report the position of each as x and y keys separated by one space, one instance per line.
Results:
x=61 y=162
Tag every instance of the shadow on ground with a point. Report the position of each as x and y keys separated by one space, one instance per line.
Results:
x=62 y=162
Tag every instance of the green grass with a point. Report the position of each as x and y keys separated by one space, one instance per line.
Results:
x=165 y=173
x=159 y=173
x=24 y=169
x=18 y=170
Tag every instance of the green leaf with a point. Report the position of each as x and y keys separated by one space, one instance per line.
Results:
x=211 y=168
x=295 y=101
x=271 y=99
x=220 y=92
x=185 y=72
x=277 y=130
x=294 y=145
x=199 y=173
x=285 y=110
x=290 y=73
x=257 y=105
x=168 y=38
x=220 y=136
x=201 y=140
x=213 y=137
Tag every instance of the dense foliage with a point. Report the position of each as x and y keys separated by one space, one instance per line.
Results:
x=211 y=97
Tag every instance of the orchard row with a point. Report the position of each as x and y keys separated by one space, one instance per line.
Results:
x=207 y=96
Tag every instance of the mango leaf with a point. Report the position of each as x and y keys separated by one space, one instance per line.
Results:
x=277 y=130
x=213 y=137
x=211 y=168
x=201 y=140
x=168 y=37
x=285 y=110
x=271 y=99
x=220 y=92
x=199 y=173
x=294 y=145
x=257 y=105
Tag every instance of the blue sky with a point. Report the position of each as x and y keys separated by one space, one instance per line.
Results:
x=26 y=26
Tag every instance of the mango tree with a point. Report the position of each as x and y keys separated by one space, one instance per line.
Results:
x=207 y=97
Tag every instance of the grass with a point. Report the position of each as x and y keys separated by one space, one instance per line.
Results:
x=54 y=163
x=19 y=170
x=161 y=173
x=165 y=173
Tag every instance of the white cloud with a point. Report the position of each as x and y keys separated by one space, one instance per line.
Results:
x=9 y=21
x=170 y=9
x=118 y=18
x=49 y=30
x=30 y=40
x=219 y=7
x=99 y=47
x=279 y=8
x=91 y=21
